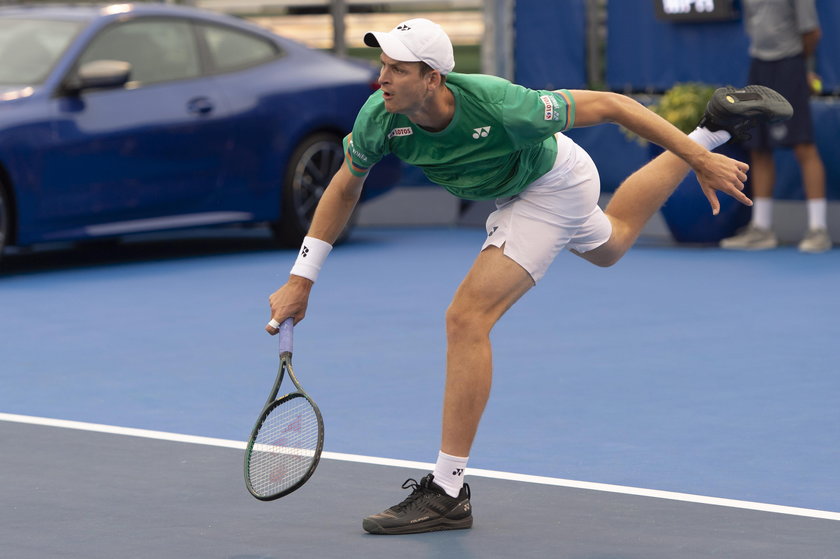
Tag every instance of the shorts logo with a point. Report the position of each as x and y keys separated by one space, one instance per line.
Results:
x=406 y=131
x=481 y=132
x=551 y=109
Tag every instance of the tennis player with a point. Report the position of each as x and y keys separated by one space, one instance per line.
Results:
x=482 y=137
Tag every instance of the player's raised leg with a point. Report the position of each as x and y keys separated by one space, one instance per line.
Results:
x=729 y=113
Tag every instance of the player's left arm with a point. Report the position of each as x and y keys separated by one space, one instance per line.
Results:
x=714 y=171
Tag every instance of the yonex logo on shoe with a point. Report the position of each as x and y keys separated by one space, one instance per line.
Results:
x=481 y=132
x=304 y=251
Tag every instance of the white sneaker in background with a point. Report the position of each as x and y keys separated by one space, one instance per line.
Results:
x=816 y=240
x=751 y=238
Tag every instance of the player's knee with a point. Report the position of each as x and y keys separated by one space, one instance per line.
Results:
x=608 y=261
x=604 y=256
x=621 y=239
x=462 y=321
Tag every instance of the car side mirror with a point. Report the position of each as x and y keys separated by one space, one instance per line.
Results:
x=99 y=74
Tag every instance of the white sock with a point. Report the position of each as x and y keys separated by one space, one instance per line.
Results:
x=708 y=139
x=762 y=213
x=449 y=473
x=817 y=209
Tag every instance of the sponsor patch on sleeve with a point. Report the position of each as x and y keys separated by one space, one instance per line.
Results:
x=552 y=110
x=404 y=131
x=356 y=154
x=358 y=161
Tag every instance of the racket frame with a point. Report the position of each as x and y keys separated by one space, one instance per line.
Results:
x=272 y=402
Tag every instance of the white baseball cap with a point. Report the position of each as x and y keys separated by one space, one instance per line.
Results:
x=416 y=40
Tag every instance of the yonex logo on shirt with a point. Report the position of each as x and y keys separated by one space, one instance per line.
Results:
x=481 y=132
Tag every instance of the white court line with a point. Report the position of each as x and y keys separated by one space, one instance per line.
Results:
x=557 y=482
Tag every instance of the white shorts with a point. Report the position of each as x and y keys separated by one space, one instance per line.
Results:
x=557 y=210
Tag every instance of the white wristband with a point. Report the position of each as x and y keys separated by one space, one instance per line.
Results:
x=311 y=257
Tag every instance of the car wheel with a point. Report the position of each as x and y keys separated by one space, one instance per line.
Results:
x=311 y=167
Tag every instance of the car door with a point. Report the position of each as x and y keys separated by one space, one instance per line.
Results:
x=150 y=155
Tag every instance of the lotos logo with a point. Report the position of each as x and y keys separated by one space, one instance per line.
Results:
x=550 y=104
x=405 y=131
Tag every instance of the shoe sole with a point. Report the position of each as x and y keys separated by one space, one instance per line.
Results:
x=438 y=525
x=753 y=102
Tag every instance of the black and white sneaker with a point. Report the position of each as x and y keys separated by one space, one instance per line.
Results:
x=427 y=509
x=736 y=110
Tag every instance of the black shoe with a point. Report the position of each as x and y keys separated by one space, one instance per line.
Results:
x=736 y=110
x=427 y=509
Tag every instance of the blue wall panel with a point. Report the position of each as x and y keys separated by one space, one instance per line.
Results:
x=645 y=54
x=550 y=39
x=828 y=53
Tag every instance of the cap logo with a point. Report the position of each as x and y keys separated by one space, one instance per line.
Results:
x=404 y=27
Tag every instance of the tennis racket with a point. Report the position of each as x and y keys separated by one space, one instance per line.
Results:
x=286 y=442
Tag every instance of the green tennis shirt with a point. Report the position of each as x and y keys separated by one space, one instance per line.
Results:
x=501 y=137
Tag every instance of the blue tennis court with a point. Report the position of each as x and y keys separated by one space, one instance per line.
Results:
x=681 y=404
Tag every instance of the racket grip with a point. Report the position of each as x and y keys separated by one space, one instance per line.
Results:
x=285 y=335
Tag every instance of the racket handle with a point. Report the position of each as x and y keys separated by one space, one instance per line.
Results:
x=285 y=335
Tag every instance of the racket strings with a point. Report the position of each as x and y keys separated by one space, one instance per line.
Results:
x=285 y=448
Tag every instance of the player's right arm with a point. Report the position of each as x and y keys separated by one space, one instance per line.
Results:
x=336 y=205
x=331 y=216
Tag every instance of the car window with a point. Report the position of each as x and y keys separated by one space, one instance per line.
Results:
x=158 y=50
x=30 y=47
x=231 y=49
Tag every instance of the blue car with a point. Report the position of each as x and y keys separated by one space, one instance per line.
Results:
x=131 y=118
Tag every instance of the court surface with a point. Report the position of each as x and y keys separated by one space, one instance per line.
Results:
x=684 y=403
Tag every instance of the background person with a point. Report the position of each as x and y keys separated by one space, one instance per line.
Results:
x=783 y=40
